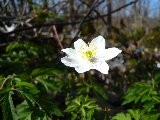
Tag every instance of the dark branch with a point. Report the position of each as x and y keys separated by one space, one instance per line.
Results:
x=71 y=23
x=98 y=14
x=82 y=21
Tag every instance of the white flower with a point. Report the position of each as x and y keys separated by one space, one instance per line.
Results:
x=158 y=65
x=92 y=56
x=8 y=29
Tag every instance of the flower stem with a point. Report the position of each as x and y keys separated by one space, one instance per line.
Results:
x=5 y=80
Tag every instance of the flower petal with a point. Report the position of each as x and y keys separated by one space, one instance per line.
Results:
x=102 y=67
x=70 y=51
x=79 y=43
x=70 y=61
x=99 y=42
x=111 y=53
x=83 y=68
x=11 y=28
x=158 y=65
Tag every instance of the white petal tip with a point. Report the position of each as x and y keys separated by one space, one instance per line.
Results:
x=63 y=50
x=120 y=51
x=100 y=36
x=105 y=73
x=116 y=49
x=158 y=65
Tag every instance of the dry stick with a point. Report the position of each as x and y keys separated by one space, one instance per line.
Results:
x=70 y=23
x=57 y=37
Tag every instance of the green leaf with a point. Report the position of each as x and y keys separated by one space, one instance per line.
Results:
x=8 y=108
x=27 y=87
x=121 y=116
x=157 y=78
x=43 y=82
x=12 y=46
x=26 y=112
x=44 y=104
x=50 y=85
x=23 y=111
x=139 y=92
x=135 y=114
x=28 y=97
x=151 y=116
x=4 y=90
x=129 y=99
x=48 y=106
x=83 y=112
x=82 y=107
x=45 y=71
x=145 y=98
x=101 y=91
x=1 y=79
x=26 y=84
x=148 y=106
x=46 y=117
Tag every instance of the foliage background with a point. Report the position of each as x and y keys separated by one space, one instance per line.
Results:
x=35 y=85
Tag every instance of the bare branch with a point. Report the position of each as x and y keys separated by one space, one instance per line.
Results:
x=98 y=14
x=70 y=23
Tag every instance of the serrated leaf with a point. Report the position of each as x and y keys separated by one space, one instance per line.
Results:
x=83 y=112
x=135 y=114
x=23 y=111
x=128 y=117
x=145 y=98
x=149 y=106
x=121 y=116
x=151 y=116
x=8 y=108
x=128 y=100
x=137 y=92
x=84 y=107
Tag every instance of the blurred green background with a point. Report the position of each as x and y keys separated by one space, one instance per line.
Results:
x=35 y=85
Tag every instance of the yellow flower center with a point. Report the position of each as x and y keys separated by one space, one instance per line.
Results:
x=88 y=51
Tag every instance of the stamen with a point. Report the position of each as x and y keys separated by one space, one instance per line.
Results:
x=88 y=52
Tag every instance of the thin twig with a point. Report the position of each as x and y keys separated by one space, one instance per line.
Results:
x=57 y=37
x=56 y=4
x=5 y=80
